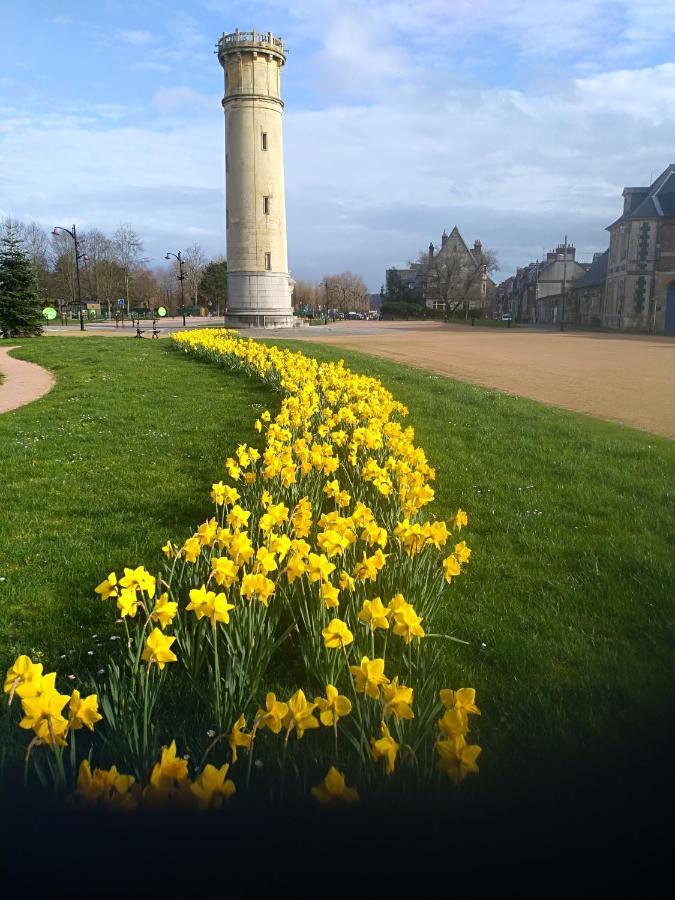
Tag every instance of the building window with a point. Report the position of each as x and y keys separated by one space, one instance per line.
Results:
x=266 y=206
x=227 y=218
x=482 y=287
x=268 y=261
x=263 y=137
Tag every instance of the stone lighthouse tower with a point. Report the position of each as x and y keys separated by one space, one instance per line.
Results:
x=259 y=285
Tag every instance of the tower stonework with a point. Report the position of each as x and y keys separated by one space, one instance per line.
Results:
x=259 y=284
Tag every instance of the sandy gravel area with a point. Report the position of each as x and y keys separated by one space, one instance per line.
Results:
x=624 y=378
x=23 y=381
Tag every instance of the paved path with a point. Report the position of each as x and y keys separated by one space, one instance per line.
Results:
x=23 y=381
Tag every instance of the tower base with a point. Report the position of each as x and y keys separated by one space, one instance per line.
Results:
x=259 y=300
x=259 y=320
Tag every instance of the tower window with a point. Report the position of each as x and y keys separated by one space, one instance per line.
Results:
x=263 y=137
x=266 y=206
x=268 y=261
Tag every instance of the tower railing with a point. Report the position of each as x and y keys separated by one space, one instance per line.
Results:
x=252 y=37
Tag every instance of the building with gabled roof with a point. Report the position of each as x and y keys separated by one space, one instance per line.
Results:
x=640 y=291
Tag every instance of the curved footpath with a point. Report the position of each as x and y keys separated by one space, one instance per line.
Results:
x=23 y=381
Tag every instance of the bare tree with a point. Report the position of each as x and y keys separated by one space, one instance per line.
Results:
x=307 y=294
x=105 y=276
x=346 y=292
x=455 y=278
x=194 y=261
x=128 y=254
x=36 y=244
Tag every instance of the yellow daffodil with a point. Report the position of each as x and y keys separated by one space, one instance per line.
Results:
x=460 y=519
x=462 y=552
x=333 y=790
x=272 y=716
x=369 y=676
x=397 y=700
x=127 y=602
x=107 y=788
x=157 y=649
x=336 y=634
x=257 y=586
x=464 y=698
x=170 y=771
x=374 y=614
x=319 y=567
x=457 y=758
x=206 y=533
x=408 y=624
x=385 y=746
x=295 y=568
x=22 y=670
x=224 y=571
x=299 y=715
x=346 y=582
x=138 y=580
x=370 y=566
x=265 y=561
x=329 y=595
x=213 y=788
x=451 y=567
x=164 y=611
x=108 y=587
x=169 y=550
x=239 y=738
x=83 y=711
x=454 y=723
x=191 y=549
x=237 y=518
x=43 y=714
x=333 y=706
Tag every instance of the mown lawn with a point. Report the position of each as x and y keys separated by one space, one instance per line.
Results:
x=118 y=457
x=568 y=604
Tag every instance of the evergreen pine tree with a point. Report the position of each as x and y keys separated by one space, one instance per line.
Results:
x=20 y=306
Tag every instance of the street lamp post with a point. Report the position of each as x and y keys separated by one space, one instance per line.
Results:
x=78 y=257
x=180 y=277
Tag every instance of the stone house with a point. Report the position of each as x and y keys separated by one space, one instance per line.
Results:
x=538 y=288
x=555 y=278
x=449 y=278
x=640 y=291
x=584 y=303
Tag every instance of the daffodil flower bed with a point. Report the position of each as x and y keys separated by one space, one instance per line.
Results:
x=318 y=558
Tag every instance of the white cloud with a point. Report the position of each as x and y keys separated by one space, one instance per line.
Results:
x=134 y=36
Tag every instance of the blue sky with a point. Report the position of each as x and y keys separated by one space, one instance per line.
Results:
x=514 y=123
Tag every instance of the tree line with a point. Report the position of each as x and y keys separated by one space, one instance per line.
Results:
x=345 y=293
x=113 y=267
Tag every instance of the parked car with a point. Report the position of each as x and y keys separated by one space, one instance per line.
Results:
x=507 y=317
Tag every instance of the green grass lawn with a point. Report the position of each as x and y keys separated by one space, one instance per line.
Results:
x=568 y=602
x=119 y=456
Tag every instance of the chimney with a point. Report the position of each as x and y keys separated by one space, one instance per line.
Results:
x=632 y=197
x=444 y=238
x=431 y=251
x=477 y=247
